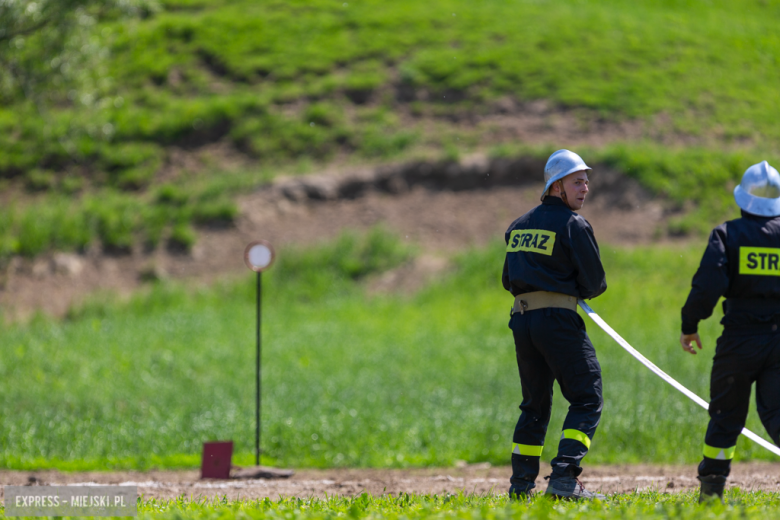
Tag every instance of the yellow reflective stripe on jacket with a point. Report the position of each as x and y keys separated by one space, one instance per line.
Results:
x=527 y=449
x=577 y=436
x=712 y=452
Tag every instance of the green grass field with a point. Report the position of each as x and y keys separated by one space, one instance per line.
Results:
x=645 y=506
x=649 y=506
x=349 y=379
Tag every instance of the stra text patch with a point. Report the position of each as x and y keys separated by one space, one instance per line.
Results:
x=531 y=240
x=763 y=261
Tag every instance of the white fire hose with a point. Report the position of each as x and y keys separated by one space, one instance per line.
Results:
x=666 y=377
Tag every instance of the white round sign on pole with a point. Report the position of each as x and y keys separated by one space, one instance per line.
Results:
x=259 y=255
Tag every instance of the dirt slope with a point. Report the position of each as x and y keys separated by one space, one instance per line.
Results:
x=441 y=207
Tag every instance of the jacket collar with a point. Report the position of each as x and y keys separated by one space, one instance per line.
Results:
x=745 y=214
x=555 y=201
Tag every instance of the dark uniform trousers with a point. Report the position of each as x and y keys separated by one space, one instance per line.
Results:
x=551 y=344
x=743 y=356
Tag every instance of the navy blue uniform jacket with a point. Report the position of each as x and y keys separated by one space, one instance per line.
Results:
x=552 y=248
x=742 y=263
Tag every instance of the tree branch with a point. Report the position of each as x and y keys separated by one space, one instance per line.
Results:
x=25 y=31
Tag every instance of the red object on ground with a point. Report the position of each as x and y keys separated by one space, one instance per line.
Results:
x=216 y=459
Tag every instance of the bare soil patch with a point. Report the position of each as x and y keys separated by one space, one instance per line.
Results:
x=441 y=207
x=476 y=478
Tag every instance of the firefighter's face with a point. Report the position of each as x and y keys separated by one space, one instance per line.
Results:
x=576 y=187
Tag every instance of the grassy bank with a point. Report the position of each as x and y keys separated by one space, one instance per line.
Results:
x=349 y=379
x=291 y=85
x=694 y=184
x=307 y=78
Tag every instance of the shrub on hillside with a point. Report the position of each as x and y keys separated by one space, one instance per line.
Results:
x=350 y=256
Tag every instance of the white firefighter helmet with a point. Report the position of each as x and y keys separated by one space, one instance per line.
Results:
x=559 y=165
x=759 y=191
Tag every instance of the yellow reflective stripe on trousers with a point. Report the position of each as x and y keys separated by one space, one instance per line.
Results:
x=527 y=449
x=712 y=452
x=577 y=436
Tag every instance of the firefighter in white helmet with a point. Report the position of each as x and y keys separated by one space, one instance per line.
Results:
x=552 y=259
x=742 y=263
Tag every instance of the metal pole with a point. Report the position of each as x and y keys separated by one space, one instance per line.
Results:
x=257 y=387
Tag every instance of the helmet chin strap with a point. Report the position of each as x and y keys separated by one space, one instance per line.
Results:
x=563 y=195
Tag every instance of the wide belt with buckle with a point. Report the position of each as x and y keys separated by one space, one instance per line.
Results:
x=542 y=300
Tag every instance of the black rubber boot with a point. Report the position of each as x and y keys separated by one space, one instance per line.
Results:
x=521 y=492
x=711 y=486
x=524 y=472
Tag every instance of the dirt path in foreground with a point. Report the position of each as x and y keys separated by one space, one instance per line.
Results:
x=477 y=478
